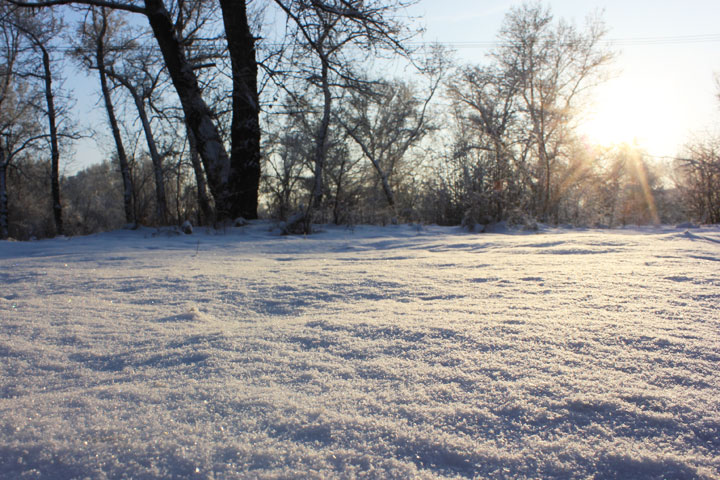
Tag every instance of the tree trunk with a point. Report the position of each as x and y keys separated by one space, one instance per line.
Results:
x=499 y=180
x=203 y=200
x=122 y=157
x=245 y=130
x=546 y=193
x=54 y=147
x=160 y=200
x=198 y=115
x=4 y=230
x=322 y=137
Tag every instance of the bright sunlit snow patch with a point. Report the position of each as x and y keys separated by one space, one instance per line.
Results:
x=398 y=352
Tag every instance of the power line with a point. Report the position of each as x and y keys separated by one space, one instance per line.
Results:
x=619 y=42
x=668 y=40
x=627 y=41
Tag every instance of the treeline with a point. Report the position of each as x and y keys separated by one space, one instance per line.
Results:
x=280 y=109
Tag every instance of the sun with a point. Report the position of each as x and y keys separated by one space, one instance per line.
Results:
x=633 y=112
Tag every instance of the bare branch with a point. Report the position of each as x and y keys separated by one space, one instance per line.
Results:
x=96 y=3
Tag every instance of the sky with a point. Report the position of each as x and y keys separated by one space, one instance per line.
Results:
x=661 y=92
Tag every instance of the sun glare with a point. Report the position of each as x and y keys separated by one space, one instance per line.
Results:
x=624 y=111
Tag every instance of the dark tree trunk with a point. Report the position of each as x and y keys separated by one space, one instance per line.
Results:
x=321 y=146
x=54 y=147
x=122 y=157
x=245 y=130
x=197 y=114
x=4 y=231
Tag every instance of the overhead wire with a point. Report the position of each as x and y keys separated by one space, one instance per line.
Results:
x=627 y=41
x=489 y=44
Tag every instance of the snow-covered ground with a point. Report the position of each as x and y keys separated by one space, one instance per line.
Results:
x=397 y=352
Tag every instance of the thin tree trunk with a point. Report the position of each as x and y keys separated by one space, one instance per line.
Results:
x=384 y=181
x=160 y=198
x=546 y=199
x=179 y=211
x=245 y=129
x=544 y=161
x=708 y=192
x=54 y=147
x=322 y=138
x=161 y=209
x=122 y=157
x=203 y=200
x=499 y=180
x=4 y=230
x=338 y=193
x=197 y=114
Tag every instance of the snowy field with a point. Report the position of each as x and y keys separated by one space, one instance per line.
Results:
x=397 y=352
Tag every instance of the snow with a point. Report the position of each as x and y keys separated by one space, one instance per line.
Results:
x=395 y=352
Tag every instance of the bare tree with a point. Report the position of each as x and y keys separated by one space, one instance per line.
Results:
x=19 y=130
x=226 y=176
x=699 y=179
x=384 y=125
x=552 y=64
x=488 y=142
x=325 y=29
x=141 y=78
x=196 y=26
x=206 y=209
x=93 y=199
x=40 y=31
x=95 y=52
x=285 y=161
x=324 y=33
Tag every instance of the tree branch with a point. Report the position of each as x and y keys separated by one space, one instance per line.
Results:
x=96 y=3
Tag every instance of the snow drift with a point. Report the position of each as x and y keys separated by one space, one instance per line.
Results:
x=398 y=352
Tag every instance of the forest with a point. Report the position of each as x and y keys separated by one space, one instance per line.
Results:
x=311 y=112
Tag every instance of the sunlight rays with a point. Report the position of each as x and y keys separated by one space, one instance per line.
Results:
x=641 y=175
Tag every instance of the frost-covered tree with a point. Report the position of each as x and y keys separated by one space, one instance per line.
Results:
x=42 y=31
x=286 y=152
x=386 y=123
x=140 y=75
x=551 y=64
x=20 y=130
x=513 y=154
x=331 y=39
x=93 y=199
x=698 y=179
x=101 y=41
x=488 y=151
